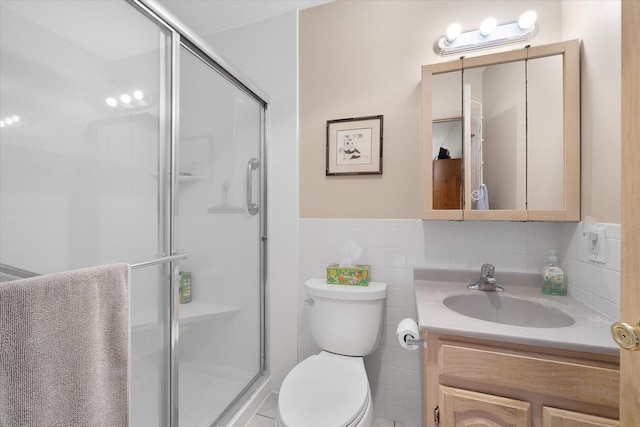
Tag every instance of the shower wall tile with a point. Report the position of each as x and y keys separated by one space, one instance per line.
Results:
x=393 y=248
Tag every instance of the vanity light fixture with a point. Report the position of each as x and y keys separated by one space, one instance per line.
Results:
x=453 y=31
x=489 y=35
x=487 y=27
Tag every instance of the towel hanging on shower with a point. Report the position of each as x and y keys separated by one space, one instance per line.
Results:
x=64 y=349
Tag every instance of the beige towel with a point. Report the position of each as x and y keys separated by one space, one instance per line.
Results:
x=64 y=349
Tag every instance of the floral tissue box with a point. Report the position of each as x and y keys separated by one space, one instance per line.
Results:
x=356 y=276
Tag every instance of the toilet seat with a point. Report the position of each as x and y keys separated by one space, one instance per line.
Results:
x=324 y=391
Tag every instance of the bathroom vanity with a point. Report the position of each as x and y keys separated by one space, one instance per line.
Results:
x=522 y=359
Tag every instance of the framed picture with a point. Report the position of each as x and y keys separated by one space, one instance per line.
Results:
x=354 y=146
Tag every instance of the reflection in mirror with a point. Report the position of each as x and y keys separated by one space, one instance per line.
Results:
x=447 y=140
x=495 y=136
x=447 y=134
x=447 y=164
x=446 y=95
x=545 y=140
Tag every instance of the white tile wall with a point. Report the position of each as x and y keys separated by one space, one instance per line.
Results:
x=596 y=284
x=394 y=247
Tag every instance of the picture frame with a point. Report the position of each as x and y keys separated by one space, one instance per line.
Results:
x=354 y=146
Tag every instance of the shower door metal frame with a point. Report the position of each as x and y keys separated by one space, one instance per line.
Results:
x=182 y=36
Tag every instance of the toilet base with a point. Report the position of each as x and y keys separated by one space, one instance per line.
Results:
x=365 y=421
x=364 y=418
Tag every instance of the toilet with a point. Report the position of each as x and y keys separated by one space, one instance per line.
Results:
x=331 y=389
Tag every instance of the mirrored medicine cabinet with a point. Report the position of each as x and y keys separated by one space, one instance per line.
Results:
x=501 y=136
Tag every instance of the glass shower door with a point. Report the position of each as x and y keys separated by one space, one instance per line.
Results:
x=83 y=160
x=218 y=224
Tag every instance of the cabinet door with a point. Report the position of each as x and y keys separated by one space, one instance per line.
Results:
x=470 y=409
x=552 y=417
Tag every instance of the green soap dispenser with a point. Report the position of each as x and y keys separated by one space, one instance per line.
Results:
x=553 y=275
x=185 y=287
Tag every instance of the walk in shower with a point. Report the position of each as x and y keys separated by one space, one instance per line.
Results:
x=124 y=138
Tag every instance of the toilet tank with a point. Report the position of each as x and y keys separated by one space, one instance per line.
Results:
x=345 y=319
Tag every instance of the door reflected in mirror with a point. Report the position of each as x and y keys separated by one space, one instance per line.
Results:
x=495 y=137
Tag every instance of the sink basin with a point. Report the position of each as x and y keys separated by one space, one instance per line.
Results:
x=500 y=308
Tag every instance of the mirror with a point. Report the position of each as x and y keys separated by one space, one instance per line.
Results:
x=447 y=140
x=494 y=100
x=502 y=136
x=545 y=148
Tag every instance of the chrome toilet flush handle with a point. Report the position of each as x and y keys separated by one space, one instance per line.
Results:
x=309 y=301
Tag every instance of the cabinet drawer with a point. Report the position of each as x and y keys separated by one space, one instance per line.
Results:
x=553 y=376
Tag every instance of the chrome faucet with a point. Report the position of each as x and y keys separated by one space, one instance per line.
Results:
x=486 y=282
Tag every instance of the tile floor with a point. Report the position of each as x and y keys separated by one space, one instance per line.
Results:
x=266 y=415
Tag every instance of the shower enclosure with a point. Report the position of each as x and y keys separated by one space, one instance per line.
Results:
x=124 y=138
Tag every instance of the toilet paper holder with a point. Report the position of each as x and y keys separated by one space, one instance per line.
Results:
x=413 y=341
x=409 y=336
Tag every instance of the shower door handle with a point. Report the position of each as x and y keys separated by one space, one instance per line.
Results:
x=251 y=166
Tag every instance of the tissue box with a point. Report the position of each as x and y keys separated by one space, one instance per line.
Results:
x=356 y=276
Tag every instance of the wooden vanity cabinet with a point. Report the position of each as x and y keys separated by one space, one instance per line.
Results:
x=469 y=382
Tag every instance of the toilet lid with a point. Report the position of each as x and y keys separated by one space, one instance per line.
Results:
x=323 y=391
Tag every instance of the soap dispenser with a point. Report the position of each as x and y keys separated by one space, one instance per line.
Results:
x=553 y=275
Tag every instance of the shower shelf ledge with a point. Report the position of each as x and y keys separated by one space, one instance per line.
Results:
x=185 y=178
x=190 y=178
x=189 y=313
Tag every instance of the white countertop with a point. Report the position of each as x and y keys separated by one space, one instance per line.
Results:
x=590 y=332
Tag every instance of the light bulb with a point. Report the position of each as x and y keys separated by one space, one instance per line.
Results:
x=137 y=94
x=15 y=119
x=2 y=124
x=527 y=20
x=126 y=99
x=487 y=26
x=111 y=102
x=8 y=120
x=453 y=31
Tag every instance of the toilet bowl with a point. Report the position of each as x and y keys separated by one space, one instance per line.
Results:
x=331 y=389
x=326 y=390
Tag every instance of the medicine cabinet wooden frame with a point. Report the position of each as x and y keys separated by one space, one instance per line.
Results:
x=570 y=50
